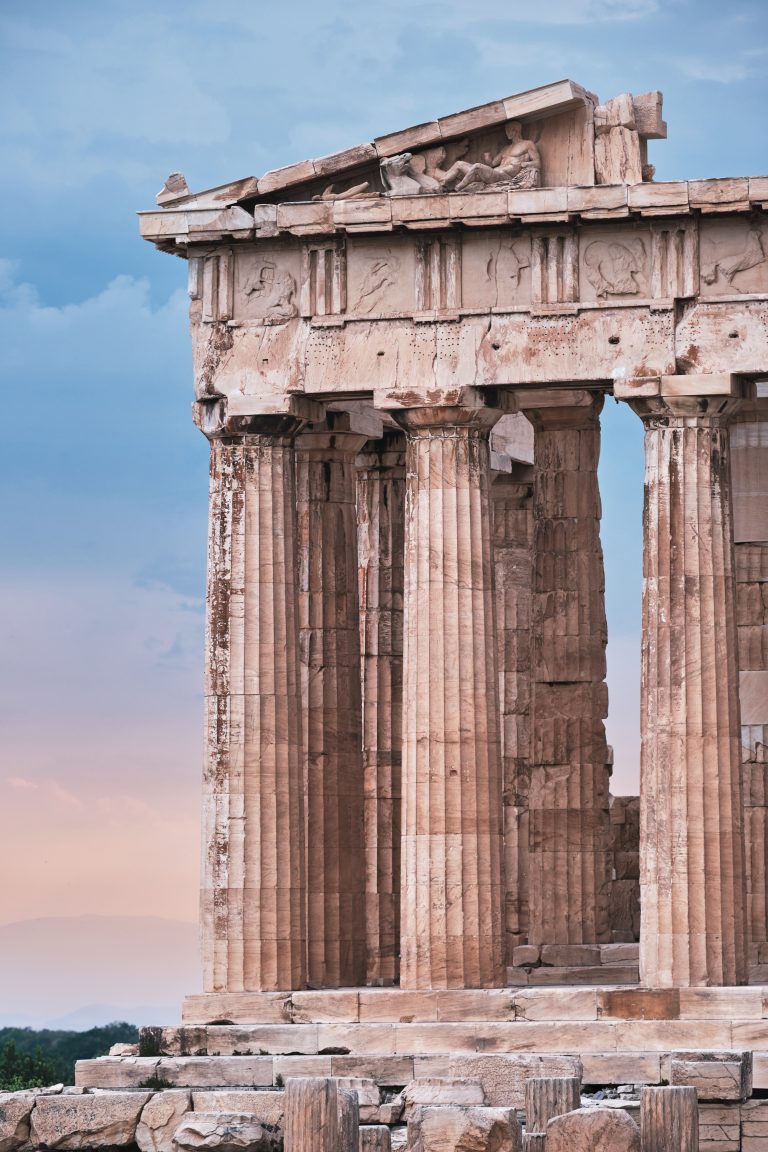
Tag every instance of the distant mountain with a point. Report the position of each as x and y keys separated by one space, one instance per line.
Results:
x=99 y=1015
x=81 y=971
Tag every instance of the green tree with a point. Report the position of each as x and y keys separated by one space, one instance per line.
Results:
x=20 y=1070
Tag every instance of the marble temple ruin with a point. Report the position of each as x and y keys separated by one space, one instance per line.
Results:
x=412 y=865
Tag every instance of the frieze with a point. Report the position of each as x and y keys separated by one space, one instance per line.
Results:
x=734 y=257
x=381 y=276
x=496 y=270
x=443 y=275
x=267 y=281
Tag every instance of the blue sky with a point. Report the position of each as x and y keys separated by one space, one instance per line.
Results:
x=103 y=477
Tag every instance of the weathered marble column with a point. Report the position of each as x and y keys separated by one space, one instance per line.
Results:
x=513 y=554
x=329 y=619
x=452 y=891
x=380 y=535
x=691 y=848
x=569 y=821
x=253 y=889
x=749 y=449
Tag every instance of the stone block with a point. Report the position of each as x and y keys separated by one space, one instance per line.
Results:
x=266 y=1107
x=224 y=1132
x=593 y=1130
x=503 y=1077
x=621 y=954
x=621 y=1068
x=620 y=974
x=570 y=955
x=216 y=1071
x=714 y=1075
x=15 y=1112
x=88 y=1121
x=375 y=1138
x=556 y=1004
x=464 y=1130
x=442 y=1091
x=719 y=1128
x=526 y=954
x=160 y=1118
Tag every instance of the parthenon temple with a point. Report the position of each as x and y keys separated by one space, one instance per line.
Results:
x=412 y=863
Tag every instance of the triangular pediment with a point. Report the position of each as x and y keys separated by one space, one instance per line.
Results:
x=553 y=136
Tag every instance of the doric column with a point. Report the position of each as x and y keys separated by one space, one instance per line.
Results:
x=569 y=821
x=329 y=620
x=513 y=555
x=253 y=888
x=452 y=895
x=749 y=450
x=691 y=849
x=380 y=520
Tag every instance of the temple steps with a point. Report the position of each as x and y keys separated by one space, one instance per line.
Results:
x=621 y=1035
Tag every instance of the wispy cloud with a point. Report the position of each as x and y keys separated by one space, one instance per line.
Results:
x=716 y=71
x=22 y=783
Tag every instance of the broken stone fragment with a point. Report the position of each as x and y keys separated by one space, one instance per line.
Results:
x=15 y=1111
x=174 y=188
x=593 y=1130
x=160 y=1119
x=80 y=1122
x=226 y=1132
x=443 y=1129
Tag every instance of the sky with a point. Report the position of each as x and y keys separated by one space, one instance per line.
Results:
x=103 y=478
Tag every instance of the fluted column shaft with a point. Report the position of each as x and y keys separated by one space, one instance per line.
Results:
x=253 y=888
x=691 y=848
x=513 y=559
x=380 y=518
x=569 y=821
x=329 y=619
x=451 y=911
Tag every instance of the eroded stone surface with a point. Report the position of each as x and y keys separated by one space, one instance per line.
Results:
x=464 y=1130
x=81 y=1122
x=225 y=1132
x=160 y=1118
x=593 y=1130
x=15 y=1112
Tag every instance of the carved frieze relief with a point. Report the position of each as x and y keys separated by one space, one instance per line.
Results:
x=615 y=266
x=496 y=270
x=267 y=285
x=734 y=257
x=381 y=277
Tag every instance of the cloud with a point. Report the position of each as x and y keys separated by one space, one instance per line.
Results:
x=21 y=782
x=716 y=71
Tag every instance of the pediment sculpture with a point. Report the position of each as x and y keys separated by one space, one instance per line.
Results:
x=517 y=164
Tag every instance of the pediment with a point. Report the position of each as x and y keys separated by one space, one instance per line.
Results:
x=554 y=136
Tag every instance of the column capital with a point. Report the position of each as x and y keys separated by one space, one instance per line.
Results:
x=553 y=409
x=446 y=420
x=221 y=418
x=383 y=454
x=685 y=411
